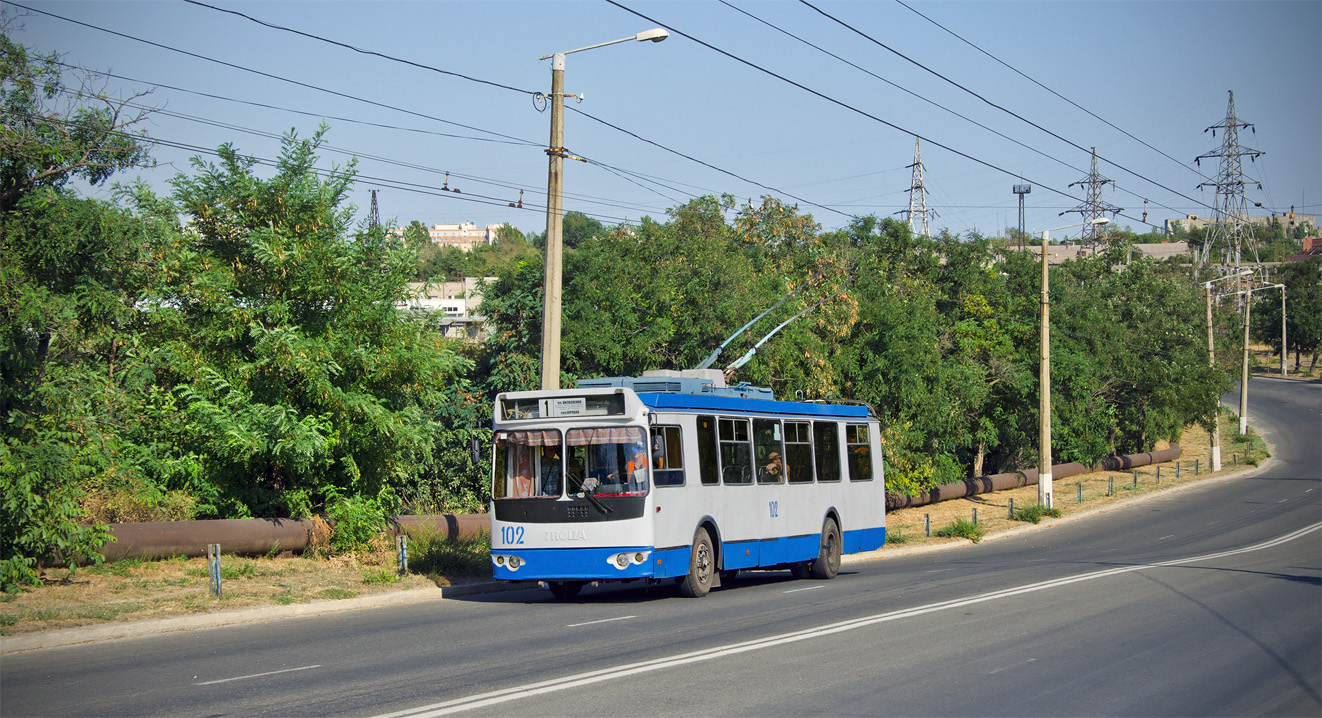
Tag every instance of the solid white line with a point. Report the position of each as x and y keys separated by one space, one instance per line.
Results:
x=1163 y=538
x=604 y=620
x=256 y=675
x=795 y=590
x=940 y=570
x=554 y=685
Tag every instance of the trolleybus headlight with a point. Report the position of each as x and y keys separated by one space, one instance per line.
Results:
x=500 y=560
x=515 y=562
x=622 y=560
x=639 y=558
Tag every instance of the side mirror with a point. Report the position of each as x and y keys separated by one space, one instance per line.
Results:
x=475 y=450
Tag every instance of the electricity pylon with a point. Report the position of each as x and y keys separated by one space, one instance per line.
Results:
x=1230 y=230
x=1093 y=207
x=917 y=194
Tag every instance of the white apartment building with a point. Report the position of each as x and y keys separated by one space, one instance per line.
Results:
x=463 y=236
x=457 y=301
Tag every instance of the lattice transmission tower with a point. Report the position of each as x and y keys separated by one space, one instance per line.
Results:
x=1230 y=229
x=917 y=194
x=1093 y=206
x=374 y=217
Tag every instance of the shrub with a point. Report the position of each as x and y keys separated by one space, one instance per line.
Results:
x=960 y=528
x=356 y=520
x=1034 y=513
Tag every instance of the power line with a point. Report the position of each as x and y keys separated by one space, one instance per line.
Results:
x=259 y=72
x=1048 y=89
x=1016 y=115
x=360 y=50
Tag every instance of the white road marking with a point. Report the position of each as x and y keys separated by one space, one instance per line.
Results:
x=795 y=590
x=256 y=675
x=1021 y=663
x=1163 y=538
x=580 y=680
x=604 y=620
x=939 y=570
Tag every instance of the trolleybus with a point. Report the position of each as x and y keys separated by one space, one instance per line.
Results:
x=680 y=477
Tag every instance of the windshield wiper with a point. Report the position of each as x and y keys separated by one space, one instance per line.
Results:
x=587 y=489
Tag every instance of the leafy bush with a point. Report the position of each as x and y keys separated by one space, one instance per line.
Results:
x=433 y=555
x=1033 y=513
x=961 y=528
x=355 y=521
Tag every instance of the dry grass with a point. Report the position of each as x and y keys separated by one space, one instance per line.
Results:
x=905 y=527
x=134 y=590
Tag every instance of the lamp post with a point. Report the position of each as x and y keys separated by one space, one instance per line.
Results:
x=554 y=217
x=1044 y=375
x=1211 y=359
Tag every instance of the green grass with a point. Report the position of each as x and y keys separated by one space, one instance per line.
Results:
x=961 y=528
x=430 y=554
x=897 y=537
x=385 y=575
x=337 y=593
x=123 y=567
x=1033 y=513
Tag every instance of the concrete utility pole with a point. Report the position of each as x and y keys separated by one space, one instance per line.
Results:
x=552 y=282
x=1211 y=359
x=1044 y=497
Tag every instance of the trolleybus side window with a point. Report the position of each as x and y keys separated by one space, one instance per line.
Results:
x=798 y=452
x=860 y=452
x=528 y=464
x=826 y=441
x=612 y=461
x=770 y=460
x=736 y=452
x=708 y=466
x=667 y=456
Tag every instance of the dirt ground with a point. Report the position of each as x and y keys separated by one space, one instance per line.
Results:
x=135 y=590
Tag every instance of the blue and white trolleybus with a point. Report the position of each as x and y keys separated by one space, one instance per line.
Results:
x=674 y=475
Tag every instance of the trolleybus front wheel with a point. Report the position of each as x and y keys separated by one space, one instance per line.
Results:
x=702 y=565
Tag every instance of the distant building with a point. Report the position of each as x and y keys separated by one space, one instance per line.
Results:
x=463 y=236
x=1289 y=222
x=1058 y=253
x=1312 y=248
x=457 y=301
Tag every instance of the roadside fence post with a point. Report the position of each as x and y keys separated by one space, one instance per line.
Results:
x=1177 y=469
x=927 y=525
x=975 y=515
x=213 y=566
x=1080 y=492
x=402 y=546
x=1159 y=474
x=1012 y=508
x=1195 y=467
x=1136 y=479
x=1110 y=486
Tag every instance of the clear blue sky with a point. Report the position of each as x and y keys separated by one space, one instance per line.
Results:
x=1159 y=71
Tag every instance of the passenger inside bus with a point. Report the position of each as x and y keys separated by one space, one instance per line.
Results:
x=550 y=472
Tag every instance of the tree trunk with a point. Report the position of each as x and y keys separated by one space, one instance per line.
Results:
x=977 y=460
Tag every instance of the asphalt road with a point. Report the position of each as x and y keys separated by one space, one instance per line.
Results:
x=1201 y=602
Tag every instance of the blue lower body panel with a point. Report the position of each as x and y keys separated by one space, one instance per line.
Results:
x=864 y=540
x=584 y=564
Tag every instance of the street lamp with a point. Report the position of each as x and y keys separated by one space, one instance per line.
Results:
x=554 y=217
x=1044 y=376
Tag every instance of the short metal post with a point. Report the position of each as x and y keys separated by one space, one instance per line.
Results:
x=1011 y=508
x=1195 y=467
x=213 y=566
x=1234 y=459
x=1110 y=486
x=975 y=515
x=402 y=546
x=1177 y=469
x=1159 y=474
x=927 y=525
x=1136 y=479
x=1080 y=492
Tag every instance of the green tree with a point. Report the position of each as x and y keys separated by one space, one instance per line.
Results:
x=1303 y=310
x=53 y=133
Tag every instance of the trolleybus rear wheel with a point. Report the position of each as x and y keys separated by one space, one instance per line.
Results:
x=827 y=564
x=702 y=564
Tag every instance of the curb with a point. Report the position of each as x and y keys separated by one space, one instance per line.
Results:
x=261 y=614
